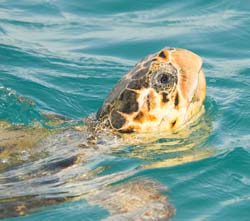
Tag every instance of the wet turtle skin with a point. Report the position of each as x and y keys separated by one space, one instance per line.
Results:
x=162 y=92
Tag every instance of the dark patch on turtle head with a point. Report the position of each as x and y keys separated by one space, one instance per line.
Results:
x=127 y=102
x=139 y=117
x=140 y=73
x=176 y=100
x=173 y=123
x=162 y=54
x=127 y=131
x=139 y=84
x=165 y=97
x=111 y=98
x=117 y=120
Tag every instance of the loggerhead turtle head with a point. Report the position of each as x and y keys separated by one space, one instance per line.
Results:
x=161 y=93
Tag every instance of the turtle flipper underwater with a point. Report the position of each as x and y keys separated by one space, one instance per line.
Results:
x=135 y=200
x=162 y=94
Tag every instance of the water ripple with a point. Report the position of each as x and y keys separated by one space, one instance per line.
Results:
x=65 y=56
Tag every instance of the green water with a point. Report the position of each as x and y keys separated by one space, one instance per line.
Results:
x=65 y=56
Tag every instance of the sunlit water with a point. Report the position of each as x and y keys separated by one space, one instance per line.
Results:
x=65 y=56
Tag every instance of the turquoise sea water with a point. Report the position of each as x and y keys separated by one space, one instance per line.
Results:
x=65 y=56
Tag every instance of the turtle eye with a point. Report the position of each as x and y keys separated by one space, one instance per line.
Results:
x=164 y=79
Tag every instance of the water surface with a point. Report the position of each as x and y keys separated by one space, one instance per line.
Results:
x=65 y=56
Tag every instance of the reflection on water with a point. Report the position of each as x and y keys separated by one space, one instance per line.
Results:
x=170 y=149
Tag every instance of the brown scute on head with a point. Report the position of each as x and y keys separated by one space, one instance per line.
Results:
x=162 y=54
x=140 y=72
x=145 y=84
x=127 y=131
x=117 y=120
x=173 y=123
x=139 y=117
x=138 y=84
x=141 y=69
x=104 y=110
x=113 y=95
x=148 y=63
x=148 y=102
x=128 y=103
x=151 y=101
x=165 y=97
x=176 y=100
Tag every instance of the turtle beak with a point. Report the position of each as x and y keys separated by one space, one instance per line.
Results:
x=191 y=80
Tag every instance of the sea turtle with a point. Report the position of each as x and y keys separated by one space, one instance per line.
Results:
x=161 y=95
